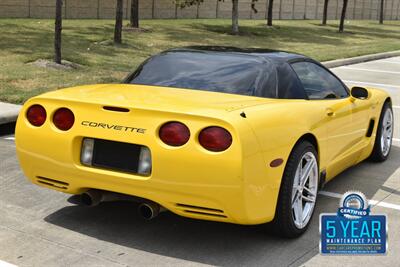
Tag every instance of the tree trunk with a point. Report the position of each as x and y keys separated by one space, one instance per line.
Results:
x=235 y=17
x=325 y=15
x=135 y=14
x=57 y=32
x=118 y=22
x=343 y=16
x=381 y=12
x=270 y=7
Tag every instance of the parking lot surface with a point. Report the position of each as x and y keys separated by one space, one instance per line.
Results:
x=38 y=227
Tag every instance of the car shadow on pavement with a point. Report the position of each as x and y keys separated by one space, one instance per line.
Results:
x=216 y=243
x=8 y=128
x=193 y=240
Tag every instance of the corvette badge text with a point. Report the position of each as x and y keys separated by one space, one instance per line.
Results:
x=113 y=127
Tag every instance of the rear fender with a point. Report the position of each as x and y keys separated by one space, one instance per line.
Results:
x=278 y=127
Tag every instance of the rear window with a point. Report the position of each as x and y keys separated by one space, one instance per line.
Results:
x=218 y=72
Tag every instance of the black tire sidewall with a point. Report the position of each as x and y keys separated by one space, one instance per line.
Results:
x=284 y=219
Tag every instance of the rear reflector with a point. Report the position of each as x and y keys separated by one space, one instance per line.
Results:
x=174 y=133
x=63 y=119
x=215 y=139
x=36 y=115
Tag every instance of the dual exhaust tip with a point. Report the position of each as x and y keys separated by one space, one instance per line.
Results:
x=147 y=210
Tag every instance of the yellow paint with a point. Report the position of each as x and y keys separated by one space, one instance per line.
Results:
x=238 y=181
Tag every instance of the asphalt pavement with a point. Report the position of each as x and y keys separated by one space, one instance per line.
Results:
x=39 y=227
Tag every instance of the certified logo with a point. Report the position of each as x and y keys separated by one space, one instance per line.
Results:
x=353 y=205
x=353 y=230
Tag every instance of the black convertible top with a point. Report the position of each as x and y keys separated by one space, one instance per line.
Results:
x=243 y=71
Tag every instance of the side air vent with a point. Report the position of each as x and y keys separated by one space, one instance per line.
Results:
x=53 y=183
x=370 y=128
x=201 y=210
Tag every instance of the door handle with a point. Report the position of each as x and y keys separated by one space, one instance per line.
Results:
x=330 y=112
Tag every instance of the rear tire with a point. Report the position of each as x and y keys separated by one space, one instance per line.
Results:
x=296 y=202
x=384 y=135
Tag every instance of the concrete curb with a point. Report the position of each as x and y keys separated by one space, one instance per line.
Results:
x=8 y=112
x=354 y=60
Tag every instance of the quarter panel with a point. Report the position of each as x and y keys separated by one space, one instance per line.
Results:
x=277 y=127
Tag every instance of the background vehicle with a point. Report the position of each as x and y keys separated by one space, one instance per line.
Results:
x=214 y=133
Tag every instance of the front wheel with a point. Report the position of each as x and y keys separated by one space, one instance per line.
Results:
x=384 y=134
x=298 y=193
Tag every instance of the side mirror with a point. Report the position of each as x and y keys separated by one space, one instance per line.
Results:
x=359 y=92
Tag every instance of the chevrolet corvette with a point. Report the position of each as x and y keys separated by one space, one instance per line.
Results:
x=245 y=136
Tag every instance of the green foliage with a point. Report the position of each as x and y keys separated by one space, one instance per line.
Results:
x=186 y=3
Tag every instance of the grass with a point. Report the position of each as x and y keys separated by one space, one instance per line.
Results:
x=87 y=42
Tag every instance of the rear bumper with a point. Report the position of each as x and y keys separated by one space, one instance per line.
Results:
x=78 y=179
x=215 y=202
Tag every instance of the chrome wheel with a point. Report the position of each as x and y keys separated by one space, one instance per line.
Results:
x=304 y=191
x=387 y=132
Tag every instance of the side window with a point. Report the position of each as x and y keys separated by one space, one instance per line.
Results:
x=267 y=87
x=289 y=85
x=318 y=82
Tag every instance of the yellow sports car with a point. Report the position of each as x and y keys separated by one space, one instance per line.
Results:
x=212 y=133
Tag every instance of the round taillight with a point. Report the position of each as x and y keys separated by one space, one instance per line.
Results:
x=36 y=115
x=63 y=119
x=215 y=139
x=174 y=133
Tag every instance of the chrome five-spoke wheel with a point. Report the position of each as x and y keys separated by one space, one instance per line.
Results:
x=304 y=191
x=298 y=192
x=386 y=132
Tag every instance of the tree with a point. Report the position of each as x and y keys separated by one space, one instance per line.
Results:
x=57 y=32
x=235 y=17
x=118 y=22
x=325 y=15
x=134 y=14
x=269 y=16
x=185 y=3
x=235 y=14
x=235 y=10
x=343 y=16
x=381 y=12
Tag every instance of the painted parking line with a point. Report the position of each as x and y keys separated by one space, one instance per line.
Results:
x=373 y=84
x=12 y=138
x=396 y=139
x=396 y=107
x=371 y=70
x=6 y=264
x=387 y=61
x=371 y=201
